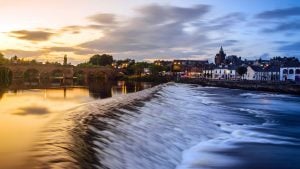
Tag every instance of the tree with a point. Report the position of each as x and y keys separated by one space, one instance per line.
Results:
x=5 y=76
x=101 y=60
x=241 y=70
x=139 y=67
x=156 y=69
x=85 y=64
x=3 y=60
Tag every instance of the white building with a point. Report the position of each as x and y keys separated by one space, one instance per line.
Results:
x=256 y=73
x=273 y=73
x=225 y=72
x=290 y=73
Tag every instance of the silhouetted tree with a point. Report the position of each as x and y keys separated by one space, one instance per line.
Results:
x=156 y=69
x=101 y=60
x=139 y=67
x=241 y=70
x=3 y=60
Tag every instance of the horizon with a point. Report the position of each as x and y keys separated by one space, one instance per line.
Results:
x=149 y=30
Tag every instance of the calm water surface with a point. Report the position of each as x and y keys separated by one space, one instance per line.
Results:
x=164 y=127
x=25 y=112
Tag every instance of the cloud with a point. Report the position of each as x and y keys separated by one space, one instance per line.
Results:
x=226 y=21
x=75 y=50
x=156 y=14
x=60 y=49
x=279 y=13
x=103 y=18
x=154 y=31
x=279 y=20
x=280 y=42
x=284 y=26
x=75 y=29
x=165 y=31
x=230 y=42
x=31 y=35
x=292 y=47
x=22 y=53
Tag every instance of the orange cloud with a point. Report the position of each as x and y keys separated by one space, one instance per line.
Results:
x=31 y=35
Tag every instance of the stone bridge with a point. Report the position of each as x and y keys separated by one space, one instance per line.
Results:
x=50 y=71
x=94 y=72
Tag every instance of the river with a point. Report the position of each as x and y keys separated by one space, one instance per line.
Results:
x=164 y=127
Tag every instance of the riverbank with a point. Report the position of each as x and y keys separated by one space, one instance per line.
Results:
x=277 y=87
x=147 y=78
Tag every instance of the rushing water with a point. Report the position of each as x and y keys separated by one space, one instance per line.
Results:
x=166 y=127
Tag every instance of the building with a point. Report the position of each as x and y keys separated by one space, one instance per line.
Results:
x=225 y=72
x=163 y=63
x=256 y=73
x=290 y=73
x=208 y=70
x=220 y=57
x=189 y=67
x=261 y=62
x=233 y=60
x=272 y=72
x=122 y=64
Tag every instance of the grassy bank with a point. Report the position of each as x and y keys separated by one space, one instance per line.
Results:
x=146 y=78
x=278 y=87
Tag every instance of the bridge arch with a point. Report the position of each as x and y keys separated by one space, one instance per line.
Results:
x=99 y=75
x=31 y=75
x=79 y=74
x=57 y=73
x=18 y=73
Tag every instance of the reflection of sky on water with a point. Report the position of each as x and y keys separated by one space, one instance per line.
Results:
x=23 y=113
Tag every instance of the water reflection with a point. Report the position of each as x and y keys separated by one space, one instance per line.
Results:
x=96 y=89
x=26 y=109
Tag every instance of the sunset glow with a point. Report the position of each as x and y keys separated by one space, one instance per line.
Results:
x=147 y=30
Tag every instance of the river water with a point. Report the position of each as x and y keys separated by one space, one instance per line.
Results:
x=164 y=127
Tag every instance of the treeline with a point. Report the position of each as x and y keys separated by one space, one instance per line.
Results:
x=98 y=60
x=126 y=66
x=17 y=60
x=128 y=69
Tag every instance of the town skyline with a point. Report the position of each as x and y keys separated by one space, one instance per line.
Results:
x=149 y=30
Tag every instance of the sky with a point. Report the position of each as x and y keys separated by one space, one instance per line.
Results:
x=146 y=30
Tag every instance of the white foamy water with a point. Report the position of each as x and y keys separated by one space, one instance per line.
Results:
x=181 y=126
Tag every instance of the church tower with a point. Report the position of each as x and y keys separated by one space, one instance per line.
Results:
x=220 y=57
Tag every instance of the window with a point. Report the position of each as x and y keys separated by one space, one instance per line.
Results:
x=297 y=71
x=285 y=71
x=291 y=71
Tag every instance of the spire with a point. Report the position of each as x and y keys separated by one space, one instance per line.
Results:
x=65 y=60
x=221 y=49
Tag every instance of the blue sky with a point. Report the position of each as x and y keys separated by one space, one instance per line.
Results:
x=148 y=30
